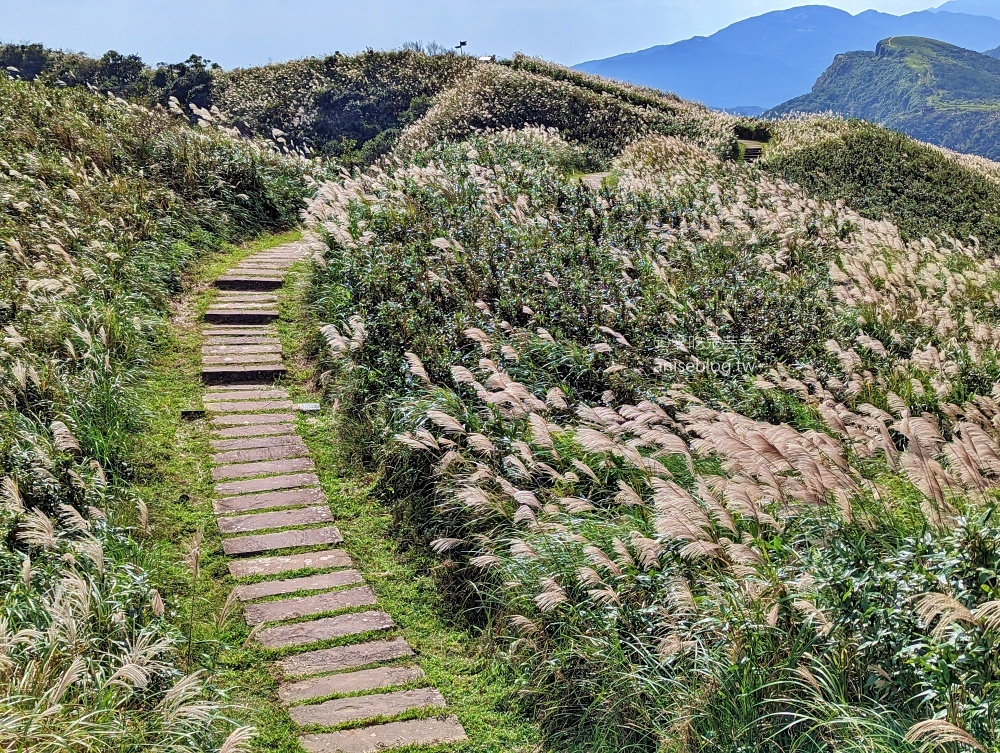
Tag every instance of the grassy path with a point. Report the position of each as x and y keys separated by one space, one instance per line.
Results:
x=174 y=459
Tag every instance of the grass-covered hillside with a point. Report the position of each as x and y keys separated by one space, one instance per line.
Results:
x=102 y=205
x=931 y=90
x=711 y=458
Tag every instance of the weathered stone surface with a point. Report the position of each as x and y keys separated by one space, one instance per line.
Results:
x=247 y=389
x=302 y=633
x=241 y=282
x=381 y=737
x=303 y=516
x=269 y=484
x=256 y=431
x=344 y=657
x=307 y=407
x=291 y=498
x=348 y=682
x=240 y=348
x=221 y=330
x=265 y=542
x=286 y=450
x=253 y=358
x=242 y=305
x=246 y=406
x=262 y=418
x=273 y=467
x=343 y=710
x=256 y=442
x=304 y=606
x=232 y=373
x=289 y=563
x=245 y=295
x=248 y=396
x=240 y=340
x=240 y=316
x=335 y=579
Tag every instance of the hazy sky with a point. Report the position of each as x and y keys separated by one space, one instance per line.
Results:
x=249 y=32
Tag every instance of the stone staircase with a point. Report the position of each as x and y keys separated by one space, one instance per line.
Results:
x=752 y=150
x=296 y=587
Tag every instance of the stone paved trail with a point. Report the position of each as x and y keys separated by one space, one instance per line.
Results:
x=297 y=588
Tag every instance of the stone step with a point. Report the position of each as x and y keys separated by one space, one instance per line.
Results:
x=290 y=498
x=266 y=542
x=246 y=395
x=268 y=467
x=335 y=579
x=381 y=737
x=223 y=340
x=267 y=484
x=348 y=682
x=247 y=389
x=234 y=373
x=250 y=443
x=221 y=330
x=247 y=406
x=339 y=658
x=261 y=566
x=240 y=316
x=323 y=629
x=255 y=359
x=242 y=282
x=286 y=450
x=303 y=516
x=255 y=418
x=305 y=606
x=224 y=305
x=260 y=430
x=387 y=705
x=240 y=348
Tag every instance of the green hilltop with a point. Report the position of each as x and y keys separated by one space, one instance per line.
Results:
x=931 y=90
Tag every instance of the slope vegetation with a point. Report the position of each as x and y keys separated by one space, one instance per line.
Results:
x=933 y=91
x=102 y=204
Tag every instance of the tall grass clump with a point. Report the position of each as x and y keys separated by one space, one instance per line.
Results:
x=712 y=462
x=103 y=204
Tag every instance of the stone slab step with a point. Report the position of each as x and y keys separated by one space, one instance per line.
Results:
x=267 y=484
x=342 y=710
x=381 y=737
x=335 y=579
x=304 y=606
x=245 y=358
x=266 y=542
x=290 y=498
x=289 y=563
x=268 y=467
x=217 y=340
x=250 y=443
x=240 y=316
x=240 y=348
x=256 y=418
x=220 y=330
x=303 y=516
x=278 y=452
x=260 y=430
x=246 y=396
x=348 y=682
x=339 y=658
x=241 y=282
x=325 y=628
x=234 y=373
x=247 y=389
x=224 y=305
x=247 y=406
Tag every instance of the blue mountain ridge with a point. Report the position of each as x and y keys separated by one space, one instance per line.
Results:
x=769 y=59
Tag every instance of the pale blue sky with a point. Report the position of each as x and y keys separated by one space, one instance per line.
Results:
x=248 y=32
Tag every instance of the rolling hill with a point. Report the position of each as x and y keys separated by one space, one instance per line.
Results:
x=768 y=59
x=933 y=91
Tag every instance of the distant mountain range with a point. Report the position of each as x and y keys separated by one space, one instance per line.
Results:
x=928 y=89
x=764 y=61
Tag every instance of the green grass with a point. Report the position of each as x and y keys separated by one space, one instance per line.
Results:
x=173 y=462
